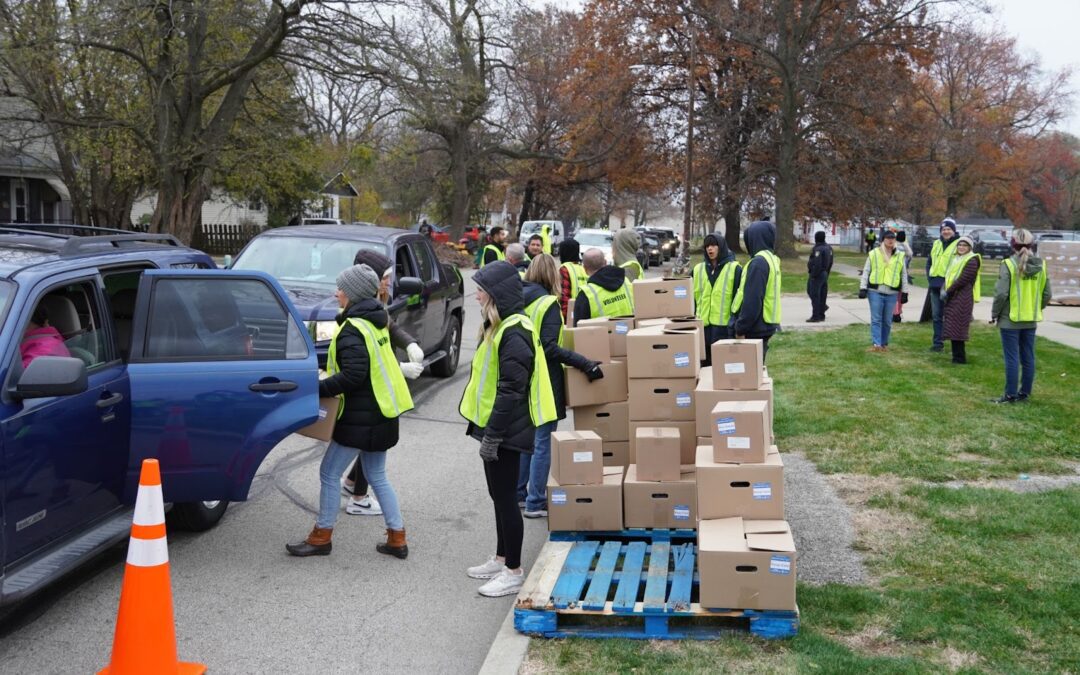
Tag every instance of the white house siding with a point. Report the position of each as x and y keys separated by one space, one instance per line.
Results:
x=219 y=208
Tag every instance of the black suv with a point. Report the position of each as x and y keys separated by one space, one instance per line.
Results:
x=991 y=244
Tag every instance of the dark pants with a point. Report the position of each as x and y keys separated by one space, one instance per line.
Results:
x=938 y=309
x=764 y=347
x=1018 y=346
x=959 y=351
x=502 y=477
x=356 y=474
x=712 y=334
x=818 y=289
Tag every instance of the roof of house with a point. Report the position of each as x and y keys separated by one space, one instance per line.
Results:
x=340 y=187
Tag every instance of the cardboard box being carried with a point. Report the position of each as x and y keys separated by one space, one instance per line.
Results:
x=662 y=399
x=592 y=342
x=651 y=504
x=610 y=421
x=706 y=398
x=322 y=429
x=678 y=322
x=611 y=388
x=617 y=327
x=656 y=298
x=658 y=351
x=740 y=431
x=587 y=507
x=616 y=453
x=657 y=453
x=577 y=458
x=687 y=441
x=746 y=564
x=745 y=490
x=737 y=364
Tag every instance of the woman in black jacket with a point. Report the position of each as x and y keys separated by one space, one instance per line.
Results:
x=541 y=282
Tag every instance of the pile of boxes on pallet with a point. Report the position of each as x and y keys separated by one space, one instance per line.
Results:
x=660 y=442
x=1062 y=259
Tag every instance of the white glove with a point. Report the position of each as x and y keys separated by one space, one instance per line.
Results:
x=416 y=355
x=411 y=371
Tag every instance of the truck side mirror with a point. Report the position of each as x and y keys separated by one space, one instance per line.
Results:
x=52 y=376
x=409 y=286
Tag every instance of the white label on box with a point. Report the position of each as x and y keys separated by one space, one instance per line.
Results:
x=725 y=426
x=680 y=292
x=735 y=368
x=681 y=512
x=582 y=457
x=682 y=359
x=738 y=442
x=762 y=490
x=323 y=413
x=780 y=564
x=622 y=328
x=683 y=400
x=558 y=496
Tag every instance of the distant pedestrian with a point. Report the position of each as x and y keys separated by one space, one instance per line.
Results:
x=959 y=295
x=515 y=255
x=496 y=245
x=571 y=274
x=937 y=263
x=903 y=247
x=1020 y=295
x=624 y=249
x=756 y=307
x=818 y=267
x=882 y=280
x=715 y=281
x=871 y=239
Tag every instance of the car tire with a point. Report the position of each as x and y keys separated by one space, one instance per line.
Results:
x=447 y=366
x=197 y=516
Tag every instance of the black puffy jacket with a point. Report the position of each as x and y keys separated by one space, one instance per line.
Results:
x=510 y=419
x=550 y=325
x=749 y=322
x=361 y=425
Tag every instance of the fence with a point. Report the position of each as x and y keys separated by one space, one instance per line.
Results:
x=224 y=238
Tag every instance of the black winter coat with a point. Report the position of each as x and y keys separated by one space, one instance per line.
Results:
x=361 y=425
x=820 y=263
x=550 y=326
x=749 y=322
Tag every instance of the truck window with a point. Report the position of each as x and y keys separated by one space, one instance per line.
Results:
x=423 y=257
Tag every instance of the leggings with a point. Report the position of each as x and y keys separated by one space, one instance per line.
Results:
x=356 y=474
x=502 y=477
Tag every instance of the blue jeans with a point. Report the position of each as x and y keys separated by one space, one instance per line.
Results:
x=881 y=309
x=335 y=460
x=534 y=470
x=1018 y=345
x=937 y=309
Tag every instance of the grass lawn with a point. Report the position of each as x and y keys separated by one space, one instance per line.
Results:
x=967 y=578
x=1073 y=324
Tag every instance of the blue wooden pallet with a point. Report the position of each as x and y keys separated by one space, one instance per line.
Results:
x=635 y=590
x=627 y=535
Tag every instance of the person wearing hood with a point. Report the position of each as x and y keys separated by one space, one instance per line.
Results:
x=606 y=293
x=756 y=307
x=715 y=281
x=883 y=278
x=540 y=295
x=818 y=267
x=365 y=375
x=937 y=264
x=959 y=295
x=624 y=249
x=515 y=255
x=1021 y=293
x=507 y=397
x=572 y=275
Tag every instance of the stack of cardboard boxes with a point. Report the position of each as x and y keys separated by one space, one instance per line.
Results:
x=583 y=494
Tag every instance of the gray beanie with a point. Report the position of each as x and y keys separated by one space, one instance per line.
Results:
x=358 y=282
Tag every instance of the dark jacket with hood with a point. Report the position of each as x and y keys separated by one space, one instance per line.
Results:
x=361 y=424
x=510 y=420
x=550 y=325
x=821 y=259
x=608 y=277
x=569 y=251
x=749 y=322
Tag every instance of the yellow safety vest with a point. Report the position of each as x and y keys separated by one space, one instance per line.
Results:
x=603 y=302
x=629 y=264
x=499 y=255
x=545 y=237
x=940 y=257
x=577 y=275
x=889 y=274
x=538 y=309
x=1025 y=293
x=770 y=312
x=957 y=266
x=479 y=397
x=712 y=301
x=386 y=379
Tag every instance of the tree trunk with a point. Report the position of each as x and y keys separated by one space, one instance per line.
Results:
x=179 y=206
x=786 y=178
x=527 y=199
x=732 y=223
x=459 y=177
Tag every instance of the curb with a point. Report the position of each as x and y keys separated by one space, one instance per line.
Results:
x=507 y=651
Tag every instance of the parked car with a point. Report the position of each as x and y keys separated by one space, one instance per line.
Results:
x=595 y=238
x=428 y=297
x=653 y=249
x=922 y=242
x=472 y=236
x=531 y=227
x=155 y=354
x=1058 y=235
x=438 y=234
x=991 y=244
x=669 y=243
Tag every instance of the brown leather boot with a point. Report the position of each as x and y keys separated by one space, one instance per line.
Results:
x=317 y=543
x=395 y=544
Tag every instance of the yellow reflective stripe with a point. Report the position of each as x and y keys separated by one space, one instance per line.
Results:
x=373 y=348
x=595 y=299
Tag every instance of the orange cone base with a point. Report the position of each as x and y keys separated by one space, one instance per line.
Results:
x=181 y=669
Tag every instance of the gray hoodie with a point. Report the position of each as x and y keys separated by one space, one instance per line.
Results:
x=1002 y=290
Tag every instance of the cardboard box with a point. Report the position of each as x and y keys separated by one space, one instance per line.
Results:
x=662 y=399
x=322 y=429
x=577 y=458
x=657 y=454
x=655 y=298
x=658 y=351
x=706 y=398
x=746 y=564
x=687 y=441
x=617 y=327
x=611 y=388
x=739 y=431
x=737 y=364
x=678 y=322
x=753 y=491
x=592 y=342
x=616 y=453
x=570 y=313
x=651 y=504
x=587 y=507
x=610 y=421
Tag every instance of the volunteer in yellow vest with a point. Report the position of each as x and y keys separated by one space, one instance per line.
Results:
x=495 y=246
x=535 y=247
x=937 y=263
x=367 y=379
x=959 y=295
x=883 y=277
x=540 y=295
x=545 y=238
x=606 y=293
x=756 y=307
x=508 y=395
x=624 y=250
x=515 y=255
x=715 y=281
x=1020 y=295
x=572 y=275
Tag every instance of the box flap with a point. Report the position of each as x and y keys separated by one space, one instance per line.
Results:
x=740 y=406
x=780 y=542
x=773 y=458
x=704 y=382
x=721 y=534
x=646 y=331
x=647 y=433
x=613 y=475
x=766 y=526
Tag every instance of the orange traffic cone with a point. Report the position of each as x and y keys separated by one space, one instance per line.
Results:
x=145 y=640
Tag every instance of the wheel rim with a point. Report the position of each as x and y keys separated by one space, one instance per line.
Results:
x=452 y=348
x=210 y=506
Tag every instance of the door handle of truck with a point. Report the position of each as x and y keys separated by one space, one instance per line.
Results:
x=272 y=386
x=111 y=401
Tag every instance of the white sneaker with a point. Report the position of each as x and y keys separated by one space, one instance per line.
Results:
x=345 y=489
x=365 y=506
x=505 y=583
x=488 y=570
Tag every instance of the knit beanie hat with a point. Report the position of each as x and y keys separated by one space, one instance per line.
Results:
x=376 y=261
x=358 y=282
x=949 y=222
x=889 y=234
x=819 y=237
x=966 y=240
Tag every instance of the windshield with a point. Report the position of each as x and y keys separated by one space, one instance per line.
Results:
x=991 y=236
x=7 y=289
x=311 y=261
x=594 y=239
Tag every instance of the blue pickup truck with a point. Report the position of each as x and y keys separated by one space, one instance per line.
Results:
x=152 y=352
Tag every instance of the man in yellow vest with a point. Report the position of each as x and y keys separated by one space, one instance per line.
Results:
x=1020 y=295
x=571 y=274
x=937 y=264
x=757 y=302
x=494 y=249
x=515 y=255
x=715 y=281
x=536 y=246
x=607 y=293
x=545 y=238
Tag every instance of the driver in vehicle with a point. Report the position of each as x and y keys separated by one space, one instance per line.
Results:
x=41 y=339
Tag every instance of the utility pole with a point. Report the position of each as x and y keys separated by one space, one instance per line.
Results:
x=688 y=183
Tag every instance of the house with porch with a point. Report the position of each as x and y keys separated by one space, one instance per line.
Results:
x=30 y=187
